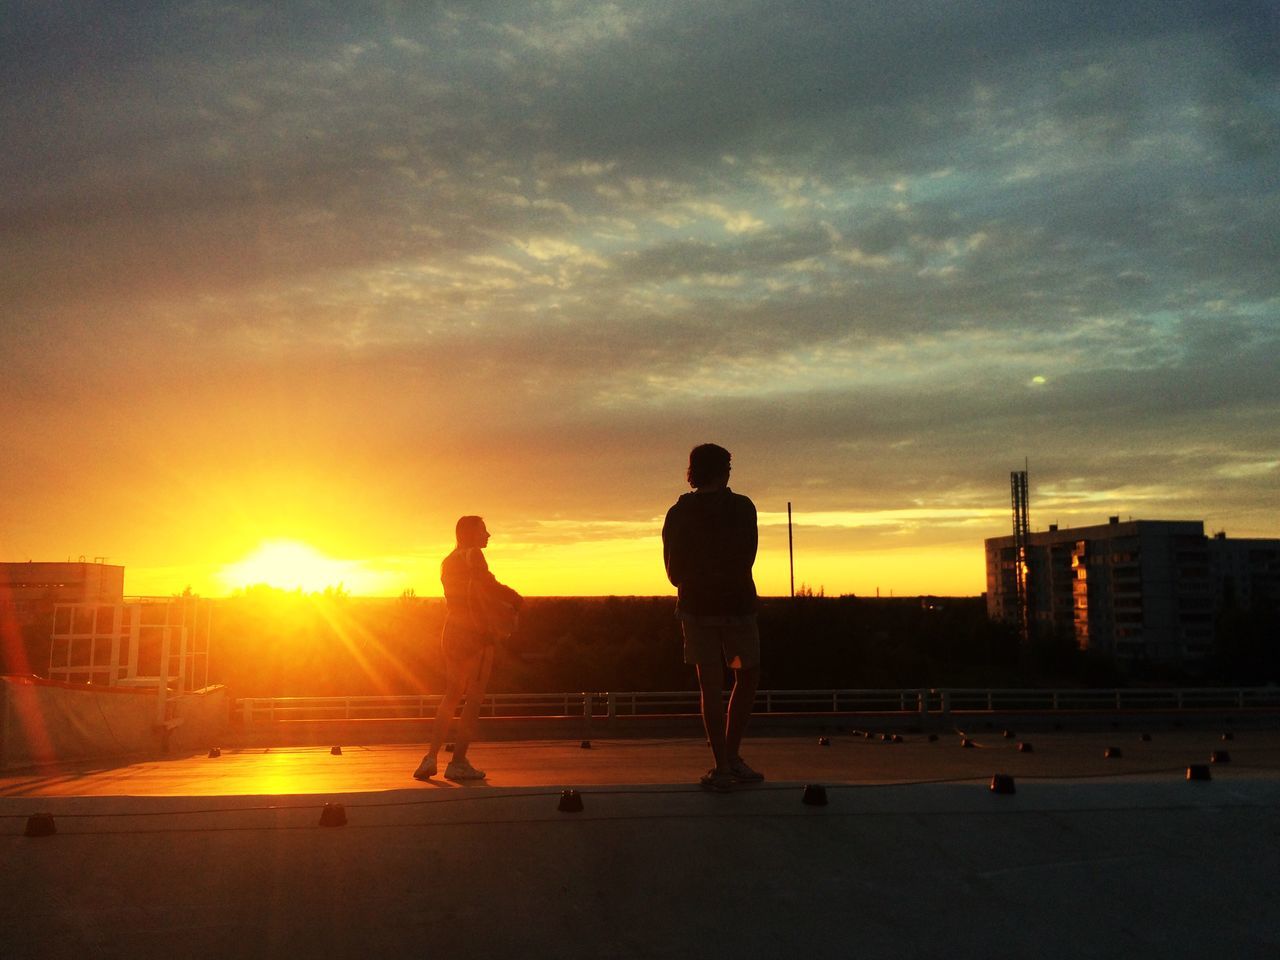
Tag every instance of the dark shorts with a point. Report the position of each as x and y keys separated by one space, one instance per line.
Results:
x=734 y=641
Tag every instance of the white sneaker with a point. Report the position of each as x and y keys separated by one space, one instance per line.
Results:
x=426 y=769
x=462 y=770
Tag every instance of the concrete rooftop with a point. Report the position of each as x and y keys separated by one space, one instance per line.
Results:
x=913 y=855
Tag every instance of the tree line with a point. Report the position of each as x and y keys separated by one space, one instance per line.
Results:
x=268 y=642
x=361 y=646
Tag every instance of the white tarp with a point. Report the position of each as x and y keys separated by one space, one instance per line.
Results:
x=43 y=721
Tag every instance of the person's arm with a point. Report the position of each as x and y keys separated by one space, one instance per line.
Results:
x=485 y=580
x=673 y=548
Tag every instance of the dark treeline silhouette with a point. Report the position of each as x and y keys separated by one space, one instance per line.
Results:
x=273 y=643
x=341 y=645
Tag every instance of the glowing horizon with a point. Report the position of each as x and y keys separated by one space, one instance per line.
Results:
x=624 y=559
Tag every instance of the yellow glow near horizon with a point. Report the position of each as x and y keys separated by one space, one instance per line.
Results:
x=634 y=566
x=839 y=552
x=622 y=566
x=288 y=565
x=944 y=570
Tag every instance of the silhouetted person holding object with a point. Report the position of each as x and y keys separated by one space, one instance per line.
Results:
x=709 y=544
x=479 y=612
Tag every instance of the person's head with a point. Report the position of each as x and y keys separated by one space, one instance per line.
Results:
x=471 y=532
x=708 y=466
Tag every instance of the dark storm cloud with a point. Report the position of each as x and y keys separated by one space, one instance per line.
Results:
x=214 y=131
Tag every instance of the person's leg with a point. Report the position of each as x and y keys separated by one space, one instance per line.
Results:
x=458 y=675
x=477 y=683
x=704 y=651
x=741 y=701
x=742 y=651
x=711 y=687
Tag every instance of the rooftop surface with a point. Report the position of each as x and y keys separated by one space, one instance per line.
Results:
x=912 y=855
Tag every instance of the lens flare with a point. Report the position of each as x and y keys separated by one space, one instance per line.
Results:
x=286 y=565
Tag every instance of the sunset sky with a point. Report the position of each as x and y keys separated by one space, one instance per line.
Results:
x=285 y=289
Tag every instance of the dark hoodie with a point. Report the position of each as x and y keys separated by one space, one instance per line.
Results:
x=709 y=546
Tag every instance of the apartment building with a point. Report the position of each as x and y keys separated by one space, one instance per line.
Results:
x=1137 y=590
x=1246 y=572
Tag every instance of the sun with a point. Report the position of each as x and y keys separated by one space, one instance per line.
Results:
x=287 y=565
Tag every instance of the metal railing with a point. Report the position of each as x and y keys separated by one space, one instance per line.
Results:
x=610 y=705
x=1192 y=698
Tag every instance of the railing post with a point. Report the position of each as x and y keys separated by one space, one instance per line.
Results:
x=247 y=707
x=586 y=715
x=162 y=685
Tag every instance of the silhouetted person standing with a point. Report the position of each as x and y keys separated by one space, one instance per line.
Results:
x=468 y=642
x=709 y=546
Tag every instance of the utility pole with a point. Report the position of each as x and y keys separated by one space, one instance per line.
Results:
x=791 y=551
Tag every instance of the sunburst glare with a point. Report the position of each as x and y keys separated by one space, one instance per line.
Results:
x=287 y=565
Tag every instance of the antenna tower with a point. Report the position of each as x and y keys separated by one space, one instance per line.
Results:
x=1021 y=552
